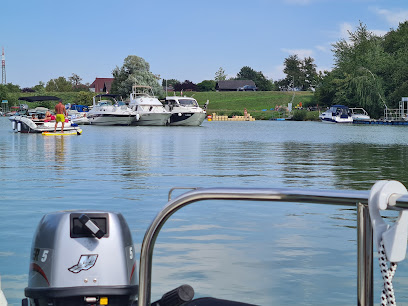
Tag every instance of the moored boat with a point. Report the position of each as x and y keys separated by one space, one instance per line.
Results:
x=110 y=110
x=184 y=111
x=337 y=114
x=37 y=122
x=359 y=114
x=150 y=110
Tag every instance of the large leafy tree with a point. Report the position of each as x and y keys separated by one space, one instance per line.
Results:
x=308 y=69
x=246 y=73
x=293 y=71
x=365 y=74
x=60 y=84
x=134 y=71
x=261 y=82
x=206 y=85
x=300 y=73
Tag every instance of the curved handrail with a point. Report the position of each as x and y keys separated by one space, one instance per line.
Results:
x=345 y=198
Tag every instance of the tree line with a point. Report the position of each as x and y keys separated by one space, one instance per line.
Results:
x=300 y=75
x=370 y=71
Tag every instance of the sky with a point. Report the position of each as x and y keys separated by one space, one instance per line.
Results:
x=183 y=40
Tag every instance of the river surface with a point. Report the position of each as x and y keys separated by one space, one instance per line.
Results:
x=255 y=252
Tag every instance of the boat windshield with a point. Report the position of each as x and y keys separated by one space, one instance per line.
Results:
x=104 y=102
x=358 y=111
x=151 y=108
x=188 y=102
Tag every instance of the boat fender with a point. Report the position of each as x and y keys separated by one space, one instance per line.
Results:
x=137 y=117
x=176 y=297
x=14 y=125
x=394 y=237
x=19 y=126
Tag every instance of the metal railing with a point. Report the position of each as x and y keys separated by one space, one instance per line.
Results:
x=344 y=198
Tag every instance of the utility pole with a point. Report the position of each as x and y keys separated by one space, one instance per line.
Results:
x=3 y=68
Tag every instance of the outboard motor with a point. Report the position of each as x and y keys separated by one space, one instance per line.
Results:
x=82 y=258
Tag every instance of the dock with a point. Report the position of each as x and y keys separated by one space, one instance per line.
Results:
x=216 y=117
x=381 y=122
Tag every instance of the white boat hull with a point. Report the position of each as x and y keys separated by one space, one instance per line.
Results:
x=337 y=114
x=110 y=119
x=152 y=119
x=23 y=124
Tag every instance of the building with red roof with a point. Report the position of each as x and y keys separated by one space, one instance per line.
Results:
x=101 y=85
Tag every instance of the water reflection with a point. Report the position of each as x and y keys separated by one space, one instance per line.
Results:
x=265 y=254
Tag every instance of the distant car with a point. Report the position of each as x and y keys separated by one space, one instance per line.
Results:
x=247 y=88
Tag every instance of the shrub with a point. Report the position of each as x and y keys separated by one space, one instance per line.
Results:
x=299 y=115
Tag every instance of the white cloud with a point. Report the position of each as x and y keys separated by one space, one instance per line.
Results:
x=302 y=53
x=321 y=48
x=345 y=28
x=277 y=73
x=379 y=32
x=393 y=17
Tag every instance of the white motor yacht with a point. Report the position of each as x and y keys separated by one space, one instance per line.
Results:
x=184 y=111
x=147 y=106
x=337 y=114
x=110 y=111
x=359 y=114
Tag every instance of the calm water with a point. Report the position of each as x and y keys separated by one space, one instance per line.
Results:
x=264 y=253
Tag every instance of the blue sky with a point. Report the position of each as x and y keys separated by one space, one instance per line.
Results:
x=184 y=40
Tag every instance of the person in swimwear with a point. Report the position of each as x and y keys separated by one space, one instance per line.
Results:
x=47 y=116
x=60 y=117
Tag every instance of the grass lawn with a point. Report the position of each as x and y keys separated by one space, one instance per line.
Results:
x=258 y=103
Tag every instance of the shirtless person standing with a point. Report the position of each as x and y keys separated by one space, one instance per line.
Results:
x=61 y=111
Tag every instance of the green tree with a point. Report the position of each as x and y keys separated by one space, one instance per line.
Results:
x=134 y=71
x=206 y=85
x=170 y=82
x=370 y=71
x=12 y=88
x=75 y=80
x=220 y=75
x=261 y=82
x=247 y=73
x=58 y=85
x=3 y=92
x=85 y=98
x=308 y=69
x=40 y=88
x=294 y=75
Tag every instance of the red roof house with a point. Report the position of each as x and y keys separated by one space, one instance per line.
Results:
x=101 y=85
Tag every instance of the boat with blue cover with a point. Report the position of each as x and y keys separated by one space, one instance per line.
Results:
x=337 y=114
